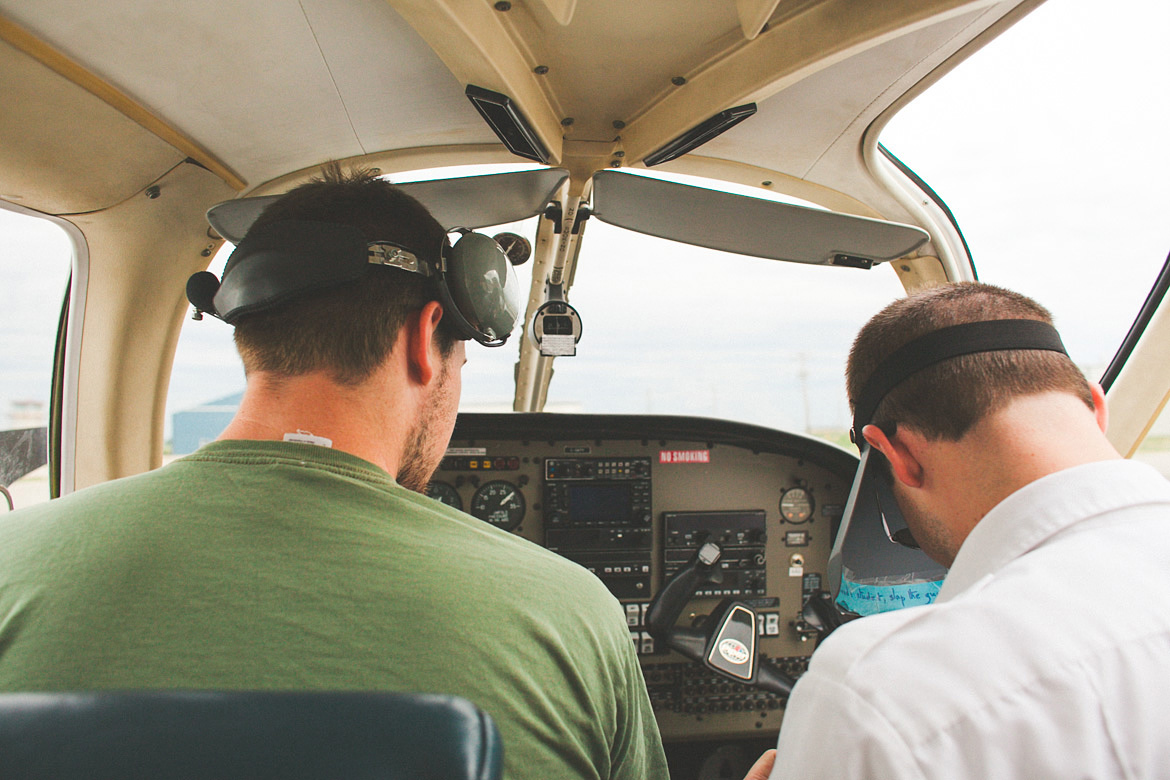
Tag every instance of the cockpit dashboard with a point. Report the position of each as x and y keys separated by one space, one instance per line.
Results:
x=631 y=498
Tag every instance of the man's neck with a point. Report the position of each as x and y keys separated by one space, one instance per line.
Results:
x=363 y=420
x=1032 y=437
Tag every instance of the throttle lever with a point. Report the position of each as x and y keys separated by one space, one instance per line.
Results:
x=820 y=615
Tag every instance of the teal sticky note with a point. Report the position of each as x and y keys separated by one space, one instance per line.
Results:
x=871 y=598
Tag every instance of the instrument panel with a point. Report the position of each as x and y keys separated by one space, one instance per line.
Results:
x=632 y=497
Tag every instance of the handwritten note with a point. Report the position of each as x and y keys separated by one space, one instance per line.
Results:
x=870 y=599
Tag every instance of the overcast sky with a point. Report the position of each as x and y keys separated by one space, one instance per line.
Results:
x=1049 y=146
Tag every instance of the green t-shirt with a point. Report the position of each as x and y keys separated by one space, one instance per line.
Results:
x=270 y=565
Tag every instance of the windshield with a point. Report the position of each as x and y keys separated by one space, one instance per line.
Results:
x=1054 y=169
x=700 y=332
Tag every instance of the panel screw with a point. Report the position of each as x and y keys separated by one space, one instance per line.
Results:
x=766 y=183
x=906 y=269
x=567 y=121
x=503 y=5
x=206 y=252
x=618 y=124
x=678 y=81
x=619 y=153
x=615 y=164
x=540 y=70
x=153 y=191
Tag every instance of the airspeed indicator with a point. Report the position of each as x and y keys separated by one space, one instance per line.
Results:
x=445 y=492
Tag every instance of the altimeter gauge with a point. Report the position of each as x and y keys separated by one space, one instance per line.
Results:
x=796 y=505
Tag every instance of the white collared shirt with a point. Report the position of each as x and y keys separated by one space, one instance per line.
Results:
x=1045 y=655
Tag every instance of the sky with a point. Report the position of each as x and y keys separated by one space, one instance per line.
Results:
x=1048 y=146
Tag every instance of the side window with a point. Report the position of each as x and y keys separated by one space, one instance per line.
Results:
x=35 y=259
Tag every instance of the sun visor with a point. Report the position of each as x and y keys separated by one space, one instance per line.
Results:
x=748 y=226
x=868 y=572
x=469 y=202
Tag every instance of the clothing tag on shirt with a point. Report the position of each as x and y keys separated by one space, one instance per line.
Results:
x=304 y=437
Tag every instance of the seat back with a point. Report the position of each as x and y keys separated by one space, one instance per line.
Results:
x=188 y=735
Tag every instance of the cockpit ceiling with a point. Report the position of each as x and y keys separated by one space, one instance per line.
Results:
x=274 y=86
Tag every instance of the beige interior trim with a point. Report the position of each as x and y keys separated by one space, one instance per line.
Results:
x=919 y=273
x=397 y=161
x=562 y=10
x=472 y=40
x=26 y=42
x=1139 y=393
x=812 y=41
x=754 y=14
x=140 y=255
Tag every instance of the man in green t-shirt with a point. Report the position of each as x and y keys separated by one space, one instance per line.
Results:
x=297 y=552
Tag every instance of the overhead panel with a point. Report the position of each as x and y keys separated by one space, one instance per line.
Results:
x=747 y=226
x=469 y=202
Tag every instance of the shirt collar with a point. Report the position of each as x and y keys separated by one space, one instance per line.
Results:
x=1039 y=510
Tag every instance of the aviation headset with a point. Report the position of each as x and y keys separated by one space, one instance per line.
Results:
x=871 y=492
x=278 y=261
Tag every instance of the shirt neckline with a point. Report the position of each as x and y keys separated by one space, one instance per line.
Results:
x=1041 y=509
x=245 y=451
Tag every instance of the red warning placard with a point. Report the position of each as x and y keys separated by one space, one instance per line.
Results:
x=684 y=456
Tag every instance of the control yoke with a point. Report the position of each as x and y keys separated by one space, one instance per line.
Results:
x=728 y=642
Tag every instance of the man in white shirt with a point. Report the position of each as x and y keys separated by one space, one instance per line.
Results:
x=1047 y=651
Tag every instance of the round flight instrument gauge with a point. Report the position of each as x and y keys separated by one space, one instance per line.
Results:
x=445 y=492
x=516 y=247
x=796 y=505
x=500 y=503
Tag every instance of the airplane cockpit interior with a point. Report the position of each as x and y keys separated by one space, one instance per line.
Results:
x=688 y=201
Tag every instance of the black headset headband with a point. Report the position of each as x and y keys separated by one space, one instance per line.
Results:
x=943 y=344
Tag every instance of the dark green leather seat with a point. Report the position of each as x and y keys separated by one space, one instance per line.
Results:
x=187 y=735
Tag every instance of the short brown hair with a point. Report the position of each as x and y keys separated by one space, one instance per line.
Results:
x=347 y=330
x=945 y=400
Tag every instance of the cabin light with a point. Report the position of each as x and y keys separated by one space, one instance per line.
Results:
x=508 y=123
x=700 y=134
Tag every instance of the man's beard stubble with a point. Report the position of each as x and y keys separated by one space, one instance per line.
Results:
x=414 y=474
x=418 y=466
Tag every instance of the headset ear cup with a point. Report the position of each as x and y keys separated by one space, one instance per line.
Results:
x=482 y=287
x=463 y=329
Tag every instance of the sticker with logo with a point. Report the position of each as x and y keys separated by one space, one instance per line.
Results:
x=734 y=651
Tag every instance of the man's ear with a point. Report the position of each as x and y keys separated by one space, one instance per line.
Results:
x=422 y=349
x=899 y=452
x=1100 y=408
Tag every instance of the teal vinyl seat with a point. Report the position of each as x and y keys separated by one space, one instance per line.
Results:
x=215 y=735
